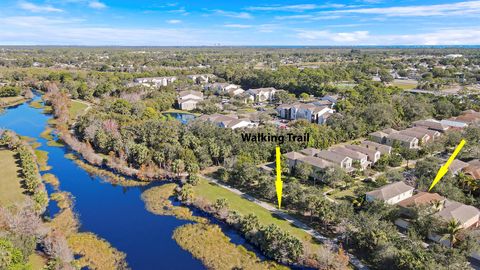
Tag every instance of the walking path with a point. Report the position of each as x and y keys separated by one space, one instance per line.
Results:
x=328 y=241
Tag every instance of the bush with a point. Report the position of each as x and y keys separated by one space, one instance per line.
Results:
x=9 y=91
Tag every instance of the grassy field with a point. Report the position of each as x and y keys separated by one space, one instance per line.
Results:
x=76 y=108
x=11 y=101
x=11 y=190
x=36 y=261
x=405 y=85
x=243 y=206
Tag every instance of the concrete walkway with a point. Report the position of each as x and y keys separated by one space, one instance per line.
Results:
x=332 y=242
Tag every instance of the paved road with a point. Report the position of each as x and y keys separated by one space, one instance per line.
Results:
x=297 y=223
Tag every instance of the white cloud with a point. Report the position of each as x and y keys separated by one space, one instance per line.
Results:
x=36 y=21
x=239 y=26
x=232 y=14
x=448 y=36
x=300 y=7
x=294 y=17
x=308 y=17
x=342 y=37
x=97 y=5
x=181 y=11
x=38 y=8
x=460 y=8
x=174 y=21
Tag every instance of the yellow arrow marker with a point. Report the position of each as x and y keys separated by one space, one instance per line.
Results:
x=444 y=169
x=278 y=182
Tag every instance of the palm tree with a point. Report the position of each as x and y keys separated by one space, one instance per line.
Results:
x=451 y=231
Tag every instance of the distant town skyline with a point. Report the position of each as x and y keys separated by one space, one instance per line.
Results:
x=239 y=23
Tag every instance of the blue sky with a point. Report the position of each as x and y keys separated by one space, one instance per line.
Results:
x=243 y=22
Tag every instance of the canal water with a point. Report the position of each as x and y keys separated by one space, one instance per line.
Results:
x=114 y=213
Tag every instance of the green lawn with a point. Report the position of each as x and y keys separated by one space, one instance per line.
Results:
x=11 y=190
x=405 y=85
x=213 y=192
x=76 y=108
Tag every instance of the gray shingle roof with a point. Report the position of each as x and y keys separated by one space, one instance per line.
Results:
x=389 y=191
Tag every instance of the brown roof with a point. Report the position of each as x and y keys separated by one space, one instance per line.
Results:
x=432 y=133
x=473 y=168
x=469 y=116
x=389 y=191
x=431 y=124
x=421 y=198
x=416 y=134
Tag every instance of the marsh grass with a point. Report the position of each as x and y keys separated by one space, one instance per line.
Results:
x=62 y=198
x=36 y=104
x=66 y=221
x=95 y=252
x=106 y=175
x=42 y=159
x=157 y=201
x=51 y=179
x=208 y=243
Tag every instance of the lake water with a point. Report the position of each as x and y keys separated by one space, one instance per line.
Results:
x=182 y=117
x=114 y=213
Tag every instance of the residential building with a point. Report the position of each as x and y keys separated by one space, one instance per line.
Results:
x=188 y=100
x=382 y=148
x=333 y=99
x=422 y=198
x=201 y=78
x=432 y=133
x=227 y=121
x=372 y=154
x=452 y=123
x=467 y=117
x=391 y=194
x=316 y=163
x=422 y=137
x=310 y=151
x=340 y=160
x=309 y=111
x=292 y=158
x=155 y=81
x=261 y=94
x=378 y=137
x=187 y=104
x=431 y=124
x=467 y=215
x=405 y=141
x=473 y=168
x=224 y=88
x=358 y=157
x=457 y=166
